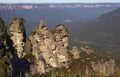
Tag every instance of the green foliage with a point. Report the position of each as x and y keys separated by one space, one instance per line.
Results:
x=5 y=70
x=1 y=23
x=83 y=55
x=118 y=73
x=77 y=67
x=59 y=72
x=95 y=56
x=53 y=31
x=2 y=28
x=70 y=54
x=101 y=56
x=33 y=33
x=30 y=57
x=2 y=53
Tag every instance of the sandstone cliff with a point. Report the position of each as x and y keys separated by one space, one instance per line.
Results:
x=48 y=53
x=50 y=49
x=96 y=64
x=18 y=36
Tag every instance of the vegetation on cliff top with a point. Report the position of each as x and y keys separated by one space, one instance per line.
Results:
x=80 y=67
x=77 y=67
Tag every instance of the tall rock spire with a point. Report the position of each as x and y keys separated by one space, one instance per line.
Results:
x=18 y=36
x=61 y=40
x=48 y=50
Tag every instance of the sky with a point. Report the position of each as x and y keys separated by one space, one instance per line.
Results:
x=59 y=1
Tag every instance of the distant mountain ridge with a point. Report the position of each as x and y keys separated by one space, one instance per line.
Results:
x=110 y=16
x=103 y=32
x=101 y=29
x=67 y=14
x=46 y=53
x=71 y=5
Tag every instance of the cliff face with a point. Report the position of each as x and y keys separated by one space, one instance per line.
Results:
x=47 y=50
x=93 y=63
x=50 y=49
x=103 y=69
x=18 y=37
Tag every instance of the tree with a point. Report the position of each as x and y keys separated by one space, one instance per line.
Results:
x=5 y=70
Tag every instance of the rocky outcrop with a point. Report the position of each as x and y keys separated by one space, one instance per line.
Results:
x=87 y=50
x=18 y=36
x=47 y=50
x=61 y=42
x=104 y=69
x=100 y=69
x=50 y=49
x=94 y=64
x=75 y=52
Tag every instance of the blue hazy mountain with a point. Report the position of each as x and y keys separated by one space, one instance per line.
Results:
x=53 y=14
x=101 y=33
x=96 y=25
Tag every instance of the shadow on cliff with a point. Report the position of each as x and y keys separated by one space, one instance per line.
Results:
x=19 y=65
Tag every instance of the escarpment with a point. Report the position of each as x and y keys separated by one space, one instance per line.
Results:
x=51 y=50
x=93 y=64
x=48 y=53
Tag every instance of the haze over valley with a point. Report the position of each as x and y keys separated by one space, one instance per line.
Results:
x=60 y=40
x=80 y=19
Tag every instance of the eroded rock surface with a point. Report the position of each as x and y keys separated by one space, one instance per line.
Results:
x=50 y=49
x=18 y=36
x=76 y=53
x=93 y=63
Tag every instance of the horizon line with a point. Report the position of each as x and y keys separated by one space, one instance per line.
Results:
x=57 y=2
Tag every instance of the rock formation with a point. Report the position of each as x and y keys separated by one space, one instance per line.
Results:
x=96 y=64
x=49 y=49
x=18 y=36
x=61 y=42
x=104 y=69
x=75 y=52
